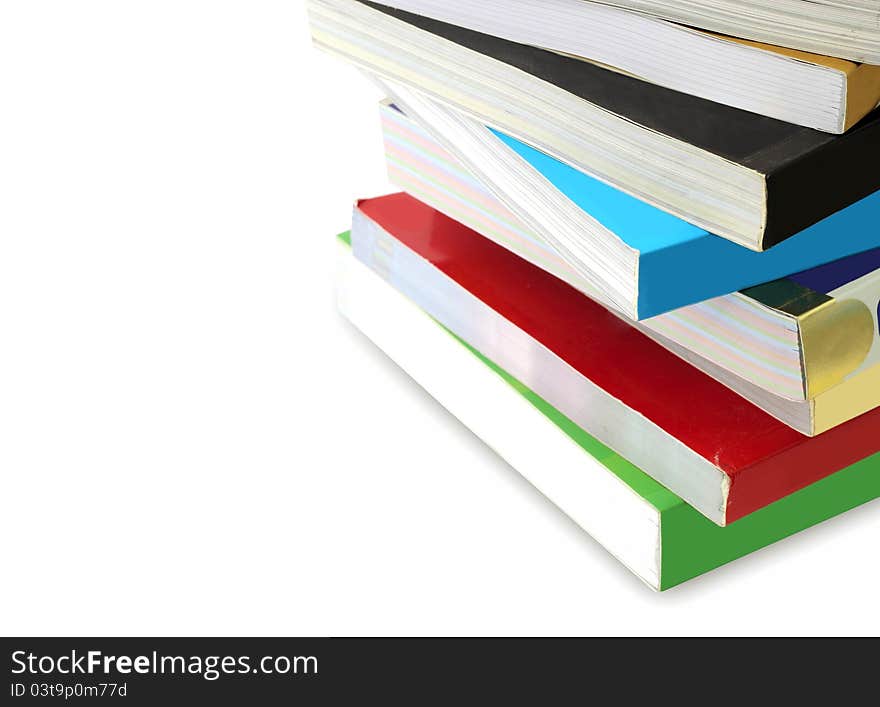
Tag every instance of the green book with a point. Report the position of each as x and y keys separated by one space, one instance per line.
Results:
x=651 y=530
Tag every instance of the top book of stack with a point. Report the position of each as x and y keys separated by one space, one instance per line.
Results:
x=844 y=28
x=683 y=120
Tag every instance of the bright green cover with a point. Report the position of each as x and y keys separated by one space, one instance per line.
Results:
x=691 y=543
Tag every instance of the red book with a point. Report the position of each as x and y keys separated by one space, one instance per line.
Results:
x=694 y=435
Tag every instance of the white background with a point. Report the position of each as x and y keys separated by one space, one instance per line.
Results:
x=193 y=442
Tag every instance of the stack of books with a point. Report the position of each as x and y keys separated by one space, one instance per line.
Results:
x=637 y=251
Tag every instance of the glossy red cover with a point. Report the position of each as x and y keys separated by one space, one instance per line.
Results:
x=764 y=459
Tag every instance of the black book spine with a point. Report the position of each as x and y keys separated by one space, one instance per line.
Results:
x=821 y=182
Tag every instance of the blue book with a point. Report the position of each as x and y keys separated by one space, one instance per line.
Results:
x=622 y=251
